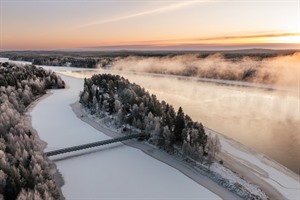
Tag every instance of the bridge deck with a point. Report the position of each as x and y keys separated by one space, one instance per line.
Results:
x=94 y=144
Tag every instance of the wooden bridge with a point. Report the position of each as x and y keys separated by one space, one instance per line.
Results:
x=94 y=144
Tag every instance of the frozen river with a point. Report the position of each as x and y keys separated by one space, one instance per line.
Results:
x=109 y=172
x=265 y=120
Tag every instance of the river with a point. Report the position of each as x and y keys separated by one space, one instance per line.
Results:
x=110 y=172
x=266 y=120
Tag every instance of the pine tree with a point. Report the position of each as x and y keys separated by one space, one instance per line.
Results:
x=179 y=125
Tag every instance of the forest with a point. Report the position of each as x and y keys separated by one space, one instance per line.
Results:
x=131 y=107
x=251 y=65
x=24 y=170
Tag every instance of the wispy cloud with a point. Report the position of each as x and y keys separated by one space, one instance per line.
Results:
x=268 y=35
x=218 y=38
x=147 y=12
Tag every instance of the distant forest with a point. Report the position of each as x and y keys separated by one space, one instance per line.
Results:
x=94 y=59
x=239 y=65
x=131 y=107
x=24 y=170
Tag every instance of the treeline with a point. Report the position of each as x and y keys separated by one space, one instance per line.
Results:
x=24 y=170
x=66 y=61
x=252 y=65
x=129 y=104
x=73 y=61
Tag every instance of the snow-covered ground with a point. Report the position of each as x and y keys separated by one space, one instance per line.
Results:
x=4 y=59
x=61 y=128
x=219 y=179
x=14 y=61
x=279 y=177
x=260 y=169
x=109 y=172
x=246 y=162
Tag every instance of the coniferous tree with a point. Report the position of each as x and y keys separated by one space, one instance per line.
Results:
x=129 y=104
x=179 y=125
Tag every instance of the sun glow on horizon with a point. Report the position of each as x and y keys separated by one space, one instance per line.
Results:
x=148 y=23
x=286 y=39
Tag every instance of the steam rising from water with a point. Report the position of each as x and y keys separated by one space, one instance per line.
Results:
x=280 y=70
x=266 y=120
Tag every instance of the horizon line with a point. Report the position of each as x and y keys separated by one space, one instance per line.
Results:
x=95 y=49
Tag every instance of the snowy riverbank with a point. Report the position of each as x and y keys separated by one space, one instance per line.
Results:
x=57 y=176
x=277 y=181
x=211 y=180
x=233 y=155
x=176 y=162
x=265 y=120
x=111 y=172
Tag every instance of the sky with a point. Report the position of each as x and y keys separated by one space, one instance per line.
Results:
x=149 y=25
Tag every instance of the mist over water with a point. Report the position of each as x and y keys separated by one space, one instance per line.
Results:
x=266 y=120
x=279 y=70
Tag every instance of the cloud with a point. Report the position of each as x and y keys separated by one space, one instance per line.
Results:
x=218 y=38
x=237 y=41
x=268 y=35
x=146 y=12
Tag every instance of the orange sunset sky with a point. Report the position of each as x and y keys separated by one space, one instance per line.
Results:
x=144 y=24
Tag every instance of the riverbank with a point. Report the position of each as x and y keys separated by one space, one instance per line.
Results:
x=113 y=171
x=57 y=176
x=68 y=124
x=276 y=180
x=247 y=115
x=253 y=172
x=160 y=155
x=271 y=175
x=184 y=167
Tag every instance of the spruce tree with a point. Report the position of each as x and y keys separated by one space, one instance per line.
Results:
x=179 y=125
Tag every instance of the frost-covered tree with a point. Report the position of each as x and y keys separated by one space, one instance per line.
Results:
x=118 y=105
x=19 y=86
x=132 y=106
x=213 y=146
x=169 y=137
x=156 y=135
x=29 y=194
x=149 y=123
x=85 y=98
x=135 y=111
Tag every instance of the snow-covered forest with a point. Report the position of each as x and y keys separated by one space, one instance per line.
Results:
x=129 y=105
x=24 y=170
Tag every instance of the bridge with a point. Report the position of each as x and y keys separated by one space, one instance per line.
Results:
x=94 y=144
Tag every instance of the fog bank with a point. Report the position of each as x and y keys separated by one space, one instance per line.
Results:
x=279 y=70
x=266 y=120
